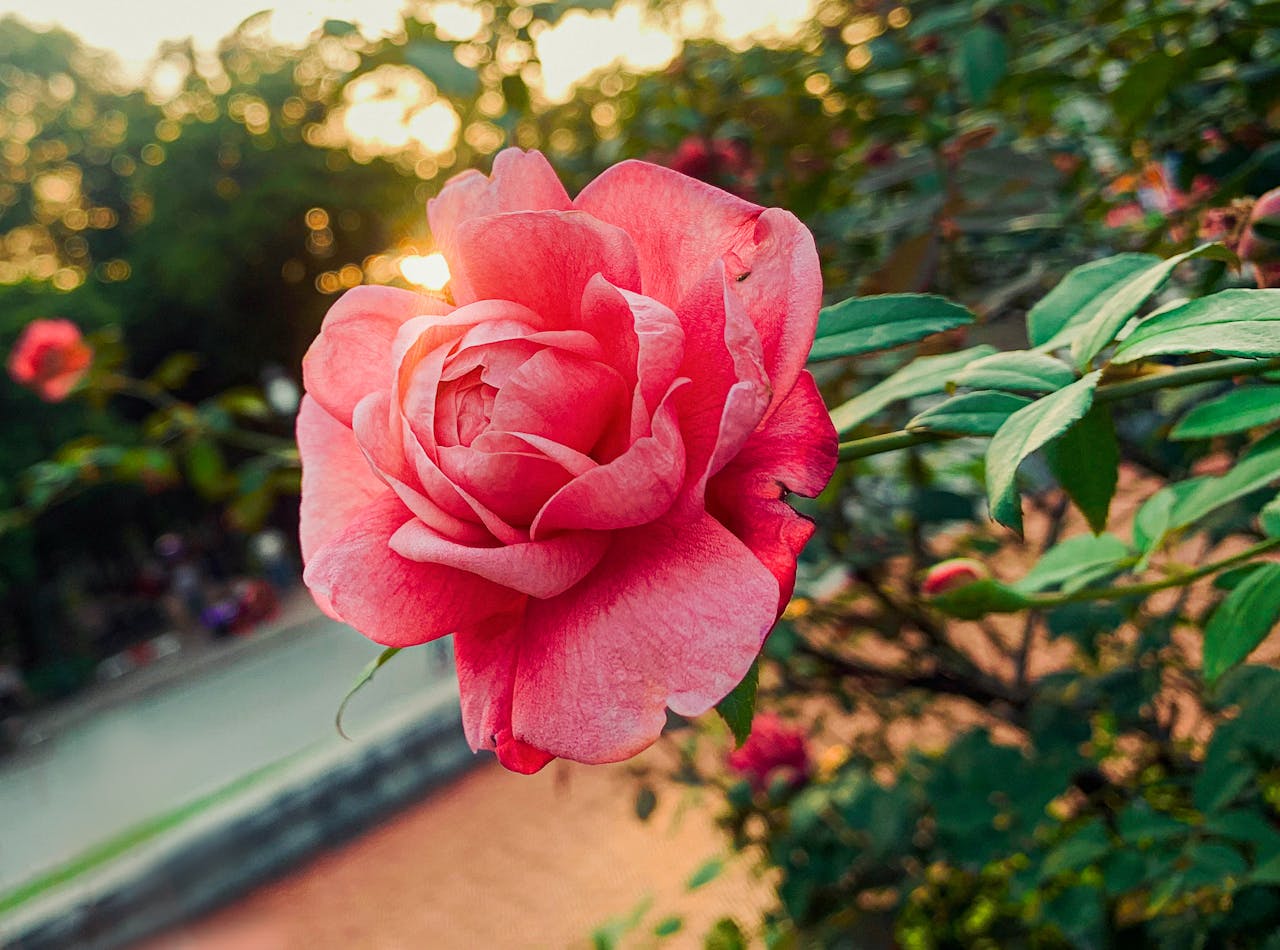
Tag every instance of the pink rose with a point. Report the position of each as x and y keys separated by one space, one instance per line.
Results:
x=579 y=468
x=50 y=357
x=1262 y=251
x=773 y=750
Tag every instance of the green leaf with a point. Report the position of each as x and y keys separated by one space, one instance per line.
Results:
x=866 y=324
x=364 y=677
x=708 y=872
x=725 y=935
x=1075 y=563
x=1232 y=323
x=920 y=377
x=1017 y=370
x=1087 y=846
x=1154 y=519
x=1144 y=86
x=980 y=413
x=984 y=60
x=1027 y=430
x=738 y=708
x=1237 y=411
x=1269 y=516
x=982 y=597
x=646 y=802
x=1257 y=469
x=207 y=469
x=1242 y=621
x=1109 y=313
x=668 y=926
x=1054 y=321
x=174 y=371
x=1086 y=463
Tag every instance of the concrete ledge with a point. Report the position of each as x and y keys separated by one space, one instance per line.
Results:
x=313 y=803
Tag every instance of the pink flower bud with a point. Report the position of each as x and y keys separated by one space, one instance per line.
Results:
x=952 y=574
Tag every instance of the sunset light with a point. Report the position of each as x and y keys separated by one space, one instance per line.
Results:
x=430 y=271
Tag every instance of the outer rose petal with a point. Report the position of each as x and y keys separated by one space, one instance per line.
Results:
x=673 y=616
x=392 y=600
x=680 y=226
x=543 y=260
x=768 y=250
x=337 y=482
x=486 y=657
x=521 y=181
x=352 y=355
x=783 y=294
x=795 y=450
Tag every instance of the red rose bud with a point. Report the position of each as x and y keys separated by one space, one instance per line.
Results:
x=775 y=751
x=952 y=574
x=50 y=357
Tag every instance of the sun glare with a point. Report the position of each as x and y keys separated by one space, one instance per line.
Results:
x=431 y=271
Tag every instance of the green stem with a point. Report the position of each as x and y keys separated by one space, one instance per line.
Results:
x=283 y=449
x=1179 y=579
x=1110 y=392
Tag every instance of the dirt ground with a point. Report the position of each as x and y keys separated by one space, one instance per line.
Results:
x=497 y=860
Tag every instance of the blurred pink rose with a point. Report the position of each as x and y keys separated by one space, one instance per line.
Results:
x=580 y=466
x=1262 y=251
x=50 y=357
x=948 y=575
x=773 y=750
x=725 y=163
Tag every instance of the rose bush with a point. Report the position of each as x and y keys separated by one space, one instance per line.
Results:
x=50 y=357
x=578 y=466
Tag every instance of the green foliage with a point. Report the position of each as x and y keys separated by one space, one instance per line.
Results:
x=867 y=324
x=738 y=708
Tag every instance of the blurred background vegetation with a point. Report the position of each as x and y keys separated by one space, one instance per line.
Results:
x=199 y=225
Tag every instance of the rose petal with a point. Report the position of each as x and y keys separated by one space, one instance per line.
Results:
x=642 y=339
x=521 y=181
x=537 y=568
x=379 y=435
x=514 y=485
x=795 y=450
x=486 y=658
x=680 y=226
x=673 y=616
x=782 y=295
x=635 y=488
x=337 y=481
x=543 y=260
x=352 y=355
x=730 y=391
x=562 y=397
x=392 y=600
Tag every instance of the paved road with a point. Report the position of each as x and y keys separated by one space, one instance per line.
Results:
x=107 y=773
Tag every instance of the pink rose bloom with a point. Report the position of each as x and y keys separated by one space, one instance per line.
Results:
x=50 y=357
x=579 y=467
x=773 y=750
x=1263 y=252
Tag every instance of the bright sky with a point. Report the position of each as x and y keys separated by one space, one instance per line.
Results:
x=133 y=29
